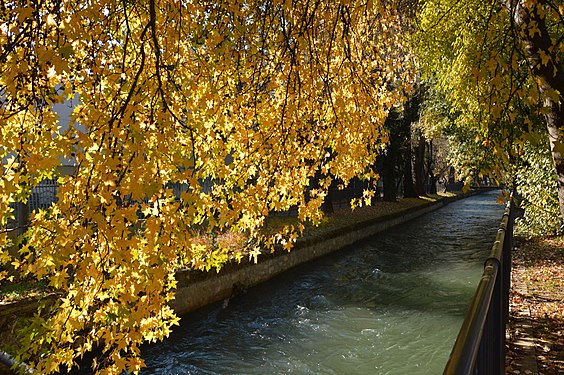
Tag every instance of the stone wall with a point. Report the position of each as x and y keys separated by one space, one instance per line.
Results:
x=197 y=289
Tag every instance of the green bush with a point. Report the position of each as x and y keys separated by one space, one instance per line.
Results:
x=536 y=185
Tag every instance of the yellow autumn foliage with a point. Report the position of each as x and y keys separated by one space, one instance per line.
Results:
x=241 y=103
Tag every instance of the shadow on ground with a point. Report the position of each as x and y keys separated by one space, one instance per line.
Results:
x=539 y=265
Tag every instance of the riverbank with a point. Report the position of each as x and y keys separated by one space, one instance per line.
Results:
x=197 y=289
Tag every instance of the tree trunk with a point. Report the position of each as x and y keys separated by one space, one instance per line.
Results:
x=430 y=167
x=327 y=206
x=389 y=177
x=419 y=166
x=549 y=75
x=408 y=187
x=391 y=157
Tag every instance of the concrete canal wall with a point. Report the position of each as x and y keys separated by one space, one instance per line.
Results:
x=197 y=289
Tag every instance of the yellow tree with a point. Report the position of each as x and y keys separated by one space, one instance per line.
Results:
x=242 y=102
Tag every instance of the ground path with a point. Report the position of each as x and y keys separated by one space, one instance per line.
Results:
x=536 y=329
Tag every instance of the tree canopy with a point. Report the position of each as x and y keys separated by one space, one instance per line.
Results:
x=194 y=118
x=240 y=103
x=496 y=68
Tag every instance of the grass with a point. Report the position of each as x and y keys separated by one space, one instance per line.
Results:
x=22 y=290
x=344 y=215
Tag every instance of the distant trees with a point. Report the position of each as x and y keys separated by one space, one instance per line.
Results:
x=498 y=67
x=411 y=162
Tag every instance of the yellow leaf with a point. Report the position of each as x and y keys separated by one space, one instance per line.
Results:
x=544 y=57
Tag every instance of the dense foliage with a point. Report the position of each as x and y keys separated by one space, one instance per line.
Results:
x=240 y=103
x=536 y=183
x=496 y=69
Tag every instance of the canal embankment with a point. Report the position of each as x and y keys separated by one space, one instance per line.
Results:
x=197 y=289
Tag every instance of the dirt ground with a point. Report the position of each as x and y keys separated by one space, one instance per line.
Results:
x=537 y=308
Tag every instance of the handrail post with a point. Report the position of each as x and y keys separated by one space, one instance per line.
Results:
x=507 y=261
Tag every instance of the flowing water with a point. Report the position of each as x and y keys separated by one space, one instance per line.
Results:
x=392 y=304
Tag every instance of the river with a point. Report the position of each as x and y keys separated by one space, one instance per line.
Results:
x=392 y=304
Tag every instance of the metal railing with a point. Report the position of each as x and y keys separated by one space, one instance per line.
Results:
x=480 y=346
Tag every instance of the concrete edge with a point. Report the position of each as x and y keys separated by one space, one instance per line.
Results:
x=194 y=293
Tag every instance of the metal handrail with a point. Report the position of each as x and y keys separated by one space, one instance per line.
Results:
x=480 y=346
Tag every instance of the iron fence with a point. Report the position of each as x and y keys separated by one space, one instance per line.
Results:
x=480 y=346
x=43 y=195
